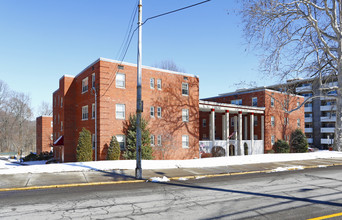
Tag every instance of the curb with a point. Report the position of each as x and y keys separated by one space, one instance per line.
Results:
x=171 y=178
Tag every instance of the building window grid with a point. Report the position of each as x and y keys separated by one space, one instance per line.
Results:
x=152 y=83
x=93 y=111
x=272 y=140
x=185 y=141
x=152 y=111
x=185 y=115
x=93 y=80
x=254 y=101
x=122 y=141
x=185 y=89
x=120 y=81
x=272 y=102
x=84 y=113
x=85 y=85
x=152 y=140
x=159 y=140
x=159 y=84
x=120 y=111
x=159 y=112
x=298 y=123
x=272 y=121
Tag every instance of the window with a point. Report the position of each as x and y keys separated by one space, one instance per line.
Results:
x=152 y=83
x=120 y=111
x=152 y=111
x=159 y=140
x=51 y=124
x=236 y=102
x=159 y=84
x=185 y=141
x=255 y=120
x=272 y=121
x=254 y=101
x=272 y=102
x=93 y=110
x=61 y=126
x=185 y=115
x=61 y=101
x=159 y=112
x=298 y=123
x=204 y=123
x=122 y=141
x=51 y=137
x=298 y=104
x=93 y=140
x=121 y=67
x=93 y=80
x=84 y=113
x=185 y=89
x=272 y=139
x=120 y=80
x=85 y=85
x=152 y=140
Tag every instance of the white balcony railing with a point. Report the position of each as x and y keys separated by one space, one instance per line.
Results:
x=310 y=140
x=328 y=108
x=331 y=85
x=327 y=141
x=308 y=130
x=307 y=109
x=328 y=119
x=328 y=130
x=308 y=119
x=304 y=89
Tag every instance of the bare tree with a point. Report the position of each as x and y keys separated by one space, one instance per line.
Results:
x=169 y=65
x=45 y=109
x=299 y=37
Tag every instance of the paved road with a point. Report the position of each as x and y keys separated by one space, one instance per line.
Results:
x=284 y=195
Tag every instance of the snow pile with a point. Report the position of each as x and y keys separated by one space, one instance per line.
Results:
x=281 y=169
x=6 y=167
x=183 y=179
x=158 y=179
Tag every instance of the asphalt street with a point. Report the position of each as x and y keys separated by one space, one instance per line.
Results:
x=299 y=194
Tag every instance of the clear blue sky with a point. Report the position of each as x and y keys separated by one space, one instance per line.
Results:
x=41 y=40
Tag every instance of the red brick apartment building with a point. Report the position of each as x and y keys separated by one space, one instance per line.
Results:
x=270 y=125
x=43 y=134
x=170 y=99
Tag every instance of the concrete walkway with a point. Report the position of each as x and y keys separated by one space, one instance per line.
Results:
x=67 y=179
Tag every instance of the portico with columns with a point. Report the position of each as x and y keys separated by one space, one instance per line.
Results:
x=239 y=130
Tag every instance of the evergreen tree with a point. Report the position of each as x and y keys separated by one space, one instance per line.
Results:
x=299 y=143
x=281 y=146
x=84 y=147
x=113 y=150
x=146 y=149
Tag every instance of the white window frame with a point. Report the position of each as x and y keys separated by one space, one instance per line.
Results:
x=236 y=102
x=152 y=140
x=298 y=123
x=85 y=85
x=85 y=113
x=152 y=111
x=159 y=84
x=122 y=137
x=272 y=121
x=152 y=83
x=185 y=91
x=185 y=141
x=159 y=140
x=272 y=102
x=93 y=110
x=159 y=112
x=272 y=139
x=255 y=98
x=185 y=115
x=93 y=80
x=119 y=112
x=120 y=83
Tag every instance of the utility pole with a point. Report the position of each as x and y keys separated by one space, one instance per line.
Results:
x=138 y=169
x=95 y=138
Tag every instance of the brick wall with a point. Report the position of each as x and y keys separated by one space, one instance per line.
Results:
x=43 y=134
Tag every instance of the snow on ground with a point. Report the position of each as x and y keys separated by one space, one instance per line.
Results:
x=6 y=167
x=158 y=179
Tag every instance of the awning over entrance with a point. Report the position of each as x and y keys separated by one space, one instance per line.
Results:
x=59 y=141
x=206 y=106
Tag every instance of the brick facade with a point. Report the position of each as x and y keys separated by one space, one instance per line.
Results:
x=69 y=99
x=43 y=134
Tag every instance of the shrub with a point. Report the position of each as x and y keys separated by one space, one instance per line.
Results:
x=218 y=151
x=270 y=151
x=281 y=146
x=299 y=143
x=113 y=150
x=146 y=149
x=84 y=148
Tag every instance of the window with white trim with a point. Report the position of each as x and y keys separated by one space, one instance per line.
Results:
x=298 y=123
x=185 y=89
x=272 y=139
x=236 y=102
x=185 y=115
x=93 y=80
x=85 y=85
x=159 y=140
x=159 y=112
x=159 y=84
x=272 y=102
x=185 y=141
x=272 y=121
x=120 y=110
x=255 y=101
x=120 y=80
x=152 y=139
x=152 y=83
x=93 y=111
x=152 y=111
x=85 y=112
x=51 y=124
x=122 y=141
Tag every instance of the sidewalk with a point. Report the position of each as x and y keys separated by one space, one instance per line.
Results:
x=61 y=179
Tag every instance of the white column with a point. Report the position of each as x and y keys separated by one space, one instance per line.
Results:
x=252 y=132
x=240 y=133
x=212 y=125
x=236 y=135
x=226 y=129
x=245 y=129
x=262 y=128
